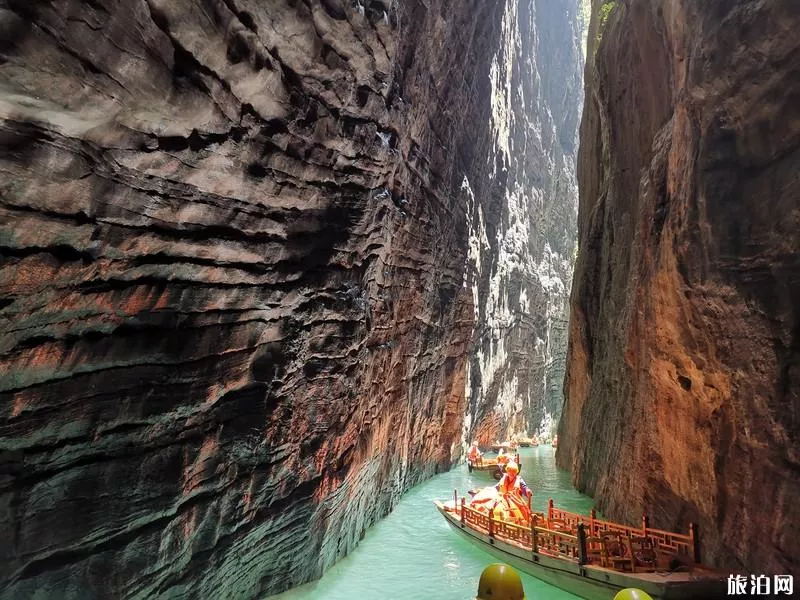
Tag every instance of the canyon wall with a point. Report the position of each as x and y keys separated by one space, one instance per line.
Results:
x=245 y=248
x=683 y=380
x=523 y=234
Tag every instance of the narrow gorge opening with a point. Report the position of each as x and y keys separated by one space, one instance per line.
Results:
x=270 y=269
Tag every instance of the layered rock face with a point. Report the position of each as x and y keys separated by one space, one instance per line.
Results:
x=683 y=381
x=522 y=236
x=236 y=303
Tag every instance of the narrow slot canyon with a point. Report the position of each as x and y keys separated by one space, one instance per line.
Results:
x=270 y=270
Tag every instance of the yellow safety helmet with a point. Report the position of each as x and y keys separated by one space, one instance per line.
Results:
x=512 y=466
x=632 y=594
x=500 y=582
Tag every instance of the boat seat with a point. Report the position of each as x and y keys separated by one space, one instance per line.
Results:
x=595 y=552
x=644 y=551
x=671 y=561
x=617 y=555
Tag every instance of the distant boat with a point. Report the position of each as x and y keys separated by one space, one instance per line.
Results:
x=506 y=446
x=490 y=465
x=526 y=442
x=590 y=557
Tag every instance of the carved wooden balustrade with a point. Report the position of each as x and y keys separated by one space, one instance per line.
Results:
x=563 y=534
x=668 y=542
x=556 y=543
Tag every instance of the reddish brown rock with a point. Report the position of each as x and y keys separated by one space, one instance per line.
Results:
x=235 y=300
x=683 y=382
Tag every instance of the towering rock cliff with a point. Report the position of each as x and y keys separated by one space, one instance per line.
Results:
x=237 y=301
x=683 y=382
x=522 y=236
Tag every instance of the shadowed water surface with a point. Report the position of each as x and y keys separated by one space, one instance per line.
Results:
x=413 y=555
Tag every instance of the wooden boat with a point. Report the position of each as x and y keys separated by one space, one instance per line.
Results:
x=528 y=442
x=579 y=553
x=490 y=465
x=504 y=445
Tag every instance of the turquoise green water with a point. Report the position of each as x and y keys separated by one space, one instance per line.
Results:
x=412 y=554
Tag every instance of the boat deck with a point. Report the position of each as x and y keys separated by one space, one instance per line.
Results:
x=555 y=547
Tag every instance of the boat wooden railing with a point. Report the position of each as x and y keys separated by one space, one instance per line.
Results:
x=564 y=534
x=495 y=527
x=510 y=532
x=683 y=546
x=533 y=538
x=474 y=518
x=668 y=542
x=556 y=543
x=595 y=525
x=598 y=527
x=564 y=517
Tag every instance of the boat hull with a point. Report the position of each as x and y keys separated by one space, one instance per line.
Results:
x=591 y=583
x=492 y=469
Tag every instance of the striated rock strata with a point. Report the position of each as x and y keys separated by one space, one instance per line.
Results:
x=683 y=382
x=236 y=305
x=523 y=229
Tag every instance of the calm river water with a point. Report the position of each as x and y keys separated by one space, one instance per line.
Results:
x=412 y=554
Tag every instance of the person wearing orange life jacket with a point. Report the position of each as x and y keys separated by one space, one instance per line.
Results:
x=512 y=483
x=502 y=461
x=502 y=457
x=514 y=494
x=474 y=455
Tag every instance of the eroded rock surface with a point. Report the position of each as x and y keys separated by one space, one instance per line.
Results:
x=236 y=303
x=523 y=229
x=683 y=383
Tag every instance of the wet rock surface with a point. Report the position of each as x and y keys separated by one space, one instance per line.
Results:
x=236 y=289
x=683 y=380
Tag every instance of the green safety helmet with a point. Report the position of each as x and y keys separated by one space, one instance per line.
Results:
x=500 y=582
x=632 y=594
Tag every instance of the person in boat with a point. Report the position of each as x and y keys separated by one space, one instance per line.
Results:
x=502 y=460
x=502 y=457
x=514 y=492
x=474 y=454
x=512 y=483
